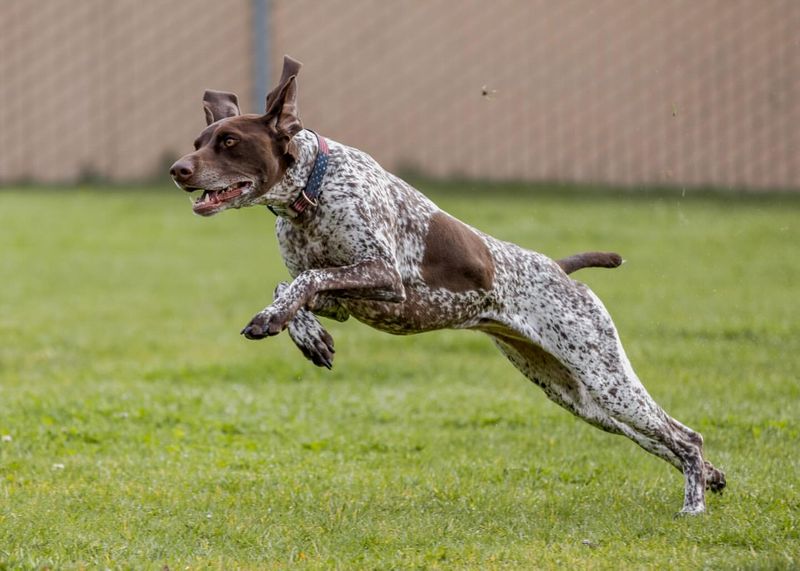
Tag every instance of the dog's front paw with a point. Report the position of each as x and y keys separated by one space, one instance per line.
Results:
x=314 y=342
x=266 y=323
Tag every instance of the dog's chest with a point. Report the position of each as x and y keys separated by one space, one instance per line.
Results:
x=331 y=240
x=308 y=248
x=380 y=221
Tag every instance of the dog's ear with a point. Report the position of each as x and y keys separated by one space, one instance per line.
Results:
x=282 y=101
x=291 y=67
x=219 y=105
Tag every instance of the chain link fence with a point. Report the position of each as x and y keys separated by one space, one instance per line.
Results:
x=98 y=89
x=611 y=92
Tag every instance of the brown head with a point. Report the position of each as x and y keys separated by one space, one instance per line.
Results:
x=238 y=158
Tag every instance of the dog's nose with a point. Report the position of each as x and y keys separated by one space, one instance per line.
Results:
x=182 y=170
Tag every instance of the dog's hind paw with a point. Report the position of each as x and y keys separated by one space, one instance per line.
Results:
x=314 y=342
x=715 y=479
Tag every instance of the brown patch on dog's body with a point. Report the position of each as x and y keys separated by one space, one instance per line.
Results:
x=455 y=258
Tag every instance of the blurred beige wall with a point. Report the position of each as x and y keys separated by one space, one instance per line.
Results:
x=108 y=87
x=632 y=92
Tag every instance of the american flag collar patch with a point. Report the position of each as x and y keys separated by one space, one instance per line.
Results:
x=309 y=196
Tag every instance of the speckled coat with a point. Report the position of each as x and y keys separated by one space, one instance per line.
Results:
x=376 y=249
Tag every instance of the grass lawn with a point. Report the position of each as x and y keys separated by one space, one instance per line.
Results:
x=139 y=430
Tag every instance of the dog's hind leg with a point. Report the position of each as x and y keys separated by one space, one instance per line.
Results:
x=609 y=379
x=715 y=478
x=605 y=392
x=558 y=384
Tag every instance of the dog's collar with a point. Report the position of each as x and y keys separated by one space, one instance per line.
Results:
x=309 y=196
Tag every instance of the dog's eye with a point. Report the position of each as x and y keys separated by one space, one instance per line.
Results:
x=228 y=142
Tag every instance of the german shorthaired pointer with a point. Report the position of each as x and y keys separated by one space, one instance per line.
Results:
x=359 y=241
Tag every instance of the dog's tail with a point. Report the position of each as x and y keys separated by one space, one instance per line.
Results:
x=590 y=260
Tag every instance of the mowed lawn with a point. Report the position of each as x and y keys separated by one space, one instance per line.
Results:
x=140 y=431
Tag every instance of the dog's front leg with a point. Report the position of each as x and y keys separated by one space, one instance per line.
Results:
x=309 y=335
x=371 y=279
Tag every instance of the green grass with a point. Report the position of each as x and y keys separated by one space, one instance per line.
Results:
x=140 y=430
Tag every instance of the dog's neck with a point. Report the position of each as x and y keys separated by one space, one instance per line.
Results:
x=280 y=198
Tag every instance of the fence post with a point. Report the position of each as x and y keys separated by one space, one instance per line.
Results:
x=260 y=30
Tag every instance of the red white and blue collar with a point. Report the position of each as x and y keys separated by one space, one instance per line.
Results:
x=309 y=196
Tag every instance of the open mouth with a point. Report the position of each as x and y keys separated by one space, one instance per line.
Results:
x=211 y=200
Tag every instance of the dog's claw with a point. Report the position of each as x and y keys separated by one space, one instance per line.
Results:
x=253 y=332
x=320 y=361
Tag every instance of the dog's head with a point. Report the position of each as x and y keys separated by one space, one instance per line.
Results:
x=238 y=158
